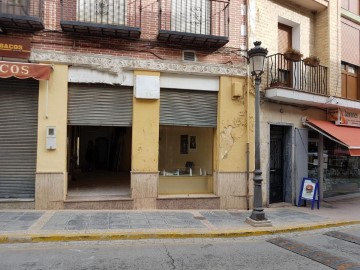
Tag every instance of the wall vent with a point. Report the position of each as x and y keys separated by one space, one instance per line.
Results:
x=189 y=56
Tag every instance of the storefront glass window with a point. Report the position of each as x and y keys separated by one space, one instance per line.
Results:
x=185 y=160
x=341 y=171
x=313 y=160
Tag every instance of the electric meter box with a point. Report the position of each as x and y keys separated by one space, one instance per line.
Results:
x=50 y=138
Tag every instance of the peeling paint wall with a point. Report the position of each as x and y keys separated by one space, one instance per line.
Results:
x=231 y=134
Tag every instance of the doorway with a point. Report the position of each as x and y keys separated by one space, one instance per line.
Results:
x=280 y=164
x=99 y=161
x=284 y=43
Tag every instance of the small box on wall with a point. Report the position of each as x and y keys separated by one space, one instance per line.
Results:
x=237 y=90
x=51 y=138
x=147 y=87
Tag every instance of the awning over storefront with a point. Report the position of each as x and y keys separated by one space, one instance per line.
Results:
x=24 y=70
x=347 y=136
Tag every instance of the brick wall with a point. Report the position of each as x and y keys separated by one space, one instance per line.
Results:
x=147 y=47
x=266 y=28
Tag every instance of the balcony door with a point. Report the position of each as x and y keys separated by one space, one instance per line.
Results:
x=350 y=81
x=102 y=11
x=15 y=7
x=191 y=16
x=284 y=43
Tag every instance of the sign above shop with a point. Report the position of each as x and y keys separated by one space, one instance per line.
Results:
x=15 y=48
x=147 y=87
x=344 y=117
x=24 y=70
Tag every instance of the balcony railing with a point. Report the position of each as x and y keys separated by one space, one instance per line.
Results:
x=296 y=75
x=117 y=18
x=202 y=23
x=21 y=15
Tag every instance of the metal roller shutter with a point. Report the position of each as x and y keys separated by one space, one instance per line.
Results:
x=99 y=105
x=188 y=108
x=18 y=137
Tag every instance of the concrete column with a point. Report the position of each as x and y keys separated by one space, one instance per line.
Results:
x=145 y=150
x=51 y=170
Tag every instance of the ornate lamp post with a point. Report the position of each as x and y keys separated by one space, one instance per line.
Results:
x=256 y=58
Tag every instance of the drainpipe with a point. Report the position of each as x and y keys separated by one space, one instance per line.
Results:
x=247 y=114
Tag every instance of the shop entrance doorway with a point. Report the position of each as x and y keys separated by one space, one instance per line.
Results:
x=99 y=162
x=280 y=164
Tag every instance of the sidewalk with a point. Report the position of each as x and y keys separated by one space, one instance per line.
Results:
x=77 y=225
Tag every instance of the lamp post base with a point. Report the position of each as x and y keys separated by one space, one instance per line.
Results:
x=258 y=223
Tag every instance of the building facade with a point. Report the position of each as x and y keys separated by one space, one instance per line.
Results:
x=304 y=133
x=147 y=105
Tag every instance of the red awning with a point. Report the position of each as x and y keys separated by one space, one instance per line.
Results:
x=24 y=70
x=347 y=136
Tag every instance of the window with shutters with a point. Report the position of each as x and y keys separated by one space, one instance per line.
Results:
x=284 y=43
x=351 y=5
x=350 y=81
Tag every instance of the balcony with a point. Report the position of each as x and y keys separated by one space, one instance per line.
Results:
x=25 y=15
x=312 y=5
x=195 y=23
x=282 y=73
x=114 y=18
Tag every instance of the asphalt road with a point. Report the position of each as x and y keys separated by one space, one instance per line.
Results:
x=322 y=249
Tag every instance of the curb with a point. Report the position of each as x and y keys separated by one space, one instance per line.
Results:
x=108 y=236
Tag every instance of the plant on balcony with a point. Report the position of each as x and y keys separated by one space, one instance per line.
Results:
x=293 y=55
x=312 y=61
x=275 y=82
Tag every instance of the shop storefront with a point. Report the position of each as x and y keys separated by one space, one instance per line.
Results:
x=187 y=122
x=337 y=142
x=19 y=97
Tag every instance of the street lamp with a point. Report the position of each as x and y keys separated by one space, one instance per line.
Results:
x=256 y=60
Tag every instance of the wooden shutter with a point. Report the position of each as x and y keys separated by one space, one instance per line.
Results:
x=284 y=37
x=350 y=43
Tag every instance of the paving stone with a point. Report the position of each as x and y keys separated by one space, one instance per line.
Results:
x=119 y=226
x=98 y=226
x=139 y=226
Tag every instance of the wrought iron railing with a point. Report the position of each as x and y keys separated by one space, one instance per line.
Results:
x=110 y=12
x=27 y=8
x=206 y=17
x=296 y=75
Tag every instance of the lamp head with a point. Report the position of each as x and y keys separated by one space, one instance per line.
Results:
x=256 y=58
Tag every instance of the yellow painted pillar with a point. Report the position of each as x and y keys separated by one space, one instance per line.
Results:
x=145 y=149
x=51 y=169
x=235 y=113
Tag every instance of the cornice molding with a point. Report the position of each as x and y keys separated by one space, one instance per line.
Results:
x=116 y=64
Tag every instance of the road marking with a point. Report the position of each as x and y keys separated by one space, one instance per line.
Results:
x=325 y=258
x=344 y=236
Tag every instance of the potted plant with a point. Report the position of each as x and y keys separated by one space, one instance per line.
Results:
x=275 y=82
x=293 y=55
x=312 y=61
